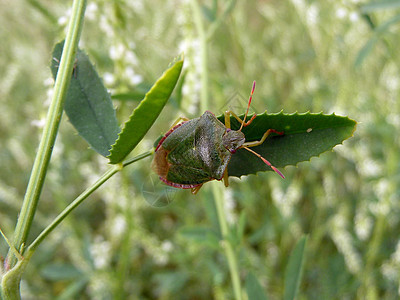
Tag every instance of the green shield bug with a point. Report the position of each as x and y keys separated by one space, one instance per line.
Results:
x=195 y=151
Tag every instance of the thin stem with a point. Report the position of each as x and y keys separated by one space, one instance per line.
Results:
x=227 y=245
x=136 y=158
x=368 y=288
x=214 y=26
x=123 y=265
x=203 y=55
x=73 y=205
x=47 y=141
x=11 y=246
x=204 y=105
x=107 y=175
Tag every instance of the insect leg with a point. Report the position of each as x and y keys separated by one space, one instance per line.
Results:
x=226 y=180
x=248 y=106
x=228 y=119
x=264 y=137
x=196 y=189
x=180 y=119
x=266 y=162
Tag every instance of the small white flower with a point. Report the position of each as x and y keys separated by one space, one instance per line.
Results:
x=100 y=251
x=108 y=78
x=116 y=52
x=354 y=17
x=363 y=226
x=49 y=82
x=119 y=225
x=313 y=14
x=38 y=123
x=341 y=12
x=167 y=246
x=91 y=10
x=132 y=76
x=131 y=58
x=62 y=20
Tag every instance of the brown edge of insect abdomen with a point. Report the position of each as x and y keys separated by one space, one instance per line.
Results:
x=160 y=163
x=180 y=185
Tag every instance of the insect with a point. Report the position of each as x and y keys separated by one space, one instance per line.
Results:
x=195 y=151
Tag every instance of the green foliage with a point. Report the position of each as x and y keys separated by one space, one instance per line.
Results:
x=145 y=114
x=379 y=5
x=379 y=32
x=305 y=135
x=302 y=54
x=88 y=104
x=294 y=270
x=57 y=271
x=200 y=235
x=254 y=289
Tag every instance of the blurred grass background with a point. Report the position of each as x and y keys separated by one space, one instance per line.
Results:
x=331 y=56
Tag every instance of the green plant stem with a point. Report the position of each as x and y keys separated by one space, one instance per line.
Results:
x=204 y=105
x=214 y=26
x=10 y=281
x=47 y=141
x=203 y=55
x=368 y=288
x=107 y=175
x=113 y=170
x=226 y=243
x=11 y=246
x=136 y=158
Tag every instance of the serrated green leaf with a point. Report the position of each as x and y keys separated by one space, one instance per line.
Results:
x=145 y=113
x=305 y=135
x=294 y=270
x=253 y=288
x=88 y=104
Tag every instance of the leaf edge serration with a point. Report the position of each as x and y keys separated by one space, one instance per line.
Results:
x=178 y=60
x=350 y=121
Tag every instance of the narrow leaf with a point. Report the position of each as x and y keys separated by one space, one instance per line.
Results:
x=305 y=135
x=241 y=226
x=379 y=5
x=378 y=33
x=294 y=270
x=201 y=235
x=59 y=271
x=88 y=104
x=73 y=290
x=253 y=288
x=145 y=113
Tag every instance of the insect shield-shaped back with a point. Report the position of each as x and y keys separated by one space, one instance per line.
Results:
x=194 y=152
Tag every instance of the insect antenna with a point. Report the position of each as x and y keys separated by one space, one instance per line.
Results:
x=266 y=161
x=248 y=106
